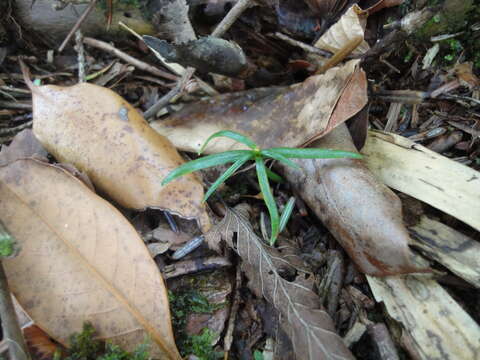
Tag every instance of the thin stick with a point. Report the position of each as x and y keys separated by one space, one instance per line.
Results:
x=130 y=59
x=231 y=17
x=303 y=46
x=81 y=56
x=165 y=99
x=77 y=25
x=341 y=54
x=227 y=341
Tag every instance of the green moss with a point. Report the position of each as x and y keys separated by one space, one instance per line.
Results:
x=186 y=302
x=83 y=346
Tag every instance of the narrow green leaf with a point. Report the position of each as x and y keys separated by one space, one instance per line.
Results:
x=287 y=212
x=227 y=174
x=311 y=153
x=278 y=156
x=232 y=135
x=205 y=162
x=274 y=176
x=267 y=197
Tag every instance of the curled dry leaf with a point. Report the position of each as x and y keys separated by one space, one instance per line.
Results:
x=81 y=260
x=279 y=116
x=307 y=324
x=350 y=26
x=364 y=216
x=102 y=135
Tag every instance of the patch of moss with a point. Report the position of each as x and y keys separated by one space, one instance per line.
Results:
x=83 y=346
x=183 y=303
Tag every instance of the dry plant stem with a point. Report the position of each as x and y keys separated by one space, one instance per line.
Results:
x=185 y=267
x=164 y=100
x=303 y=46
x=341 y=54
x=130 y=59
x=77 y=25
x=16 y=129
x=227 y=341
x=231 y=17
x=11 y=329
x=15 y=105
x=81 y=56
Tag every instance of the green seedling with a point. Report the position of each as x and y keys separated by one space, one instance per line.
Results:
x=240 y=157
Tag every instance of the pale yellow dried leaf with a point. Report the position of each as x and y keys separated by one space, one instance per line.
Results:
x=80 y=260
x=104 y=136
x=349 y=26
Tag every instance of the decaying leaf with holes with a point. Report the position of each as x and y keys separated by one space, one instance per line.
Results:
x=80 y=260
x=308 y=326
x=102 y=135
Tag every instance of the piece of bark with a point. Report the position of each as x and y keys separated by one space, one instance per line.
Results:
x=364 y=216
x=439 y=327
x=53 y=25
x=384 y=346
x=425 y=175
x=457 y=252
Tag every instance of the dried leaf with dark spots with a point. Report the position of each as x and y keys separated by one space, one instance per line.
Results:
x=102 y=135
x=80 y=260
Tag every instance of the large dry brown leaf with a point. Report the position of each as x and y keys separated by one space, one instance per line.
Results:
x=104 y=136
x=80 y=260
x=281 y=116
x=363 y=214
x=308 y=325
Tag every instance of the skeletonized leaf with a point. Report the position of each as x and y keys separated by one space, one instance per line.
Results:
x=309 y=327
x=81 y=260
x=349 y=26
x=279 y=116
x=104 y=136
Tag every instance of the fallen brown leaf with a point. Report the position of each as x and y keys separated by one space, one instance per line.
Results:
x=39 y=343
x=278 y=116
x=23 y=145
x=102 y=135
x=80 y=260
x=364 y=216
x=307 y=324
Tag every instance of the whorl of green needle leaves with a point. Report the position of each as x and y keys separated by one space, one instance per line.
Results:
x=240 y=157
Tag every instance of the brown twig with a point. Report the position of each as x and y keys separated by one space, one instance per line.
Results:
x=164 y=100
x=231 y=17
x=303 y=46
x=77 y=25
x=341 y=54
x=81 y=56
x=130 y=59
x=185 y=267
x=227 y=341
x=15 y=105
